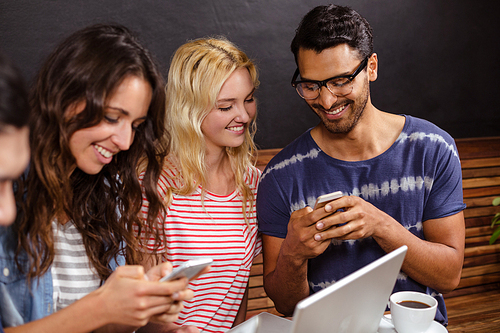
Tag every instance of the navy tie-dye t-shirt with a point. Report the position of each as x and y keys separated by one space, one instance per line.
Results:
x=417 y=179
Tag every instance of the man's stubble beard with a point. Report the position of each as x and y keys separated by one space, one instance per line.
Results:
x=344 y=125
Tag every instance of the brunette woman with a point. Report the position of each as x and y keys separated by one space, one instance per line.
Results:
x=97 y=110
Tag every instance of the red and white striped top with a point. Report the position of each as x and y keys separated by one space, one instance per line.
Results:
x=217 y=230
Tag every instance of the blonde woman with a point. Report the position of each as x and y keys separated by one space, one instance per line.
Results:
x=208 y=181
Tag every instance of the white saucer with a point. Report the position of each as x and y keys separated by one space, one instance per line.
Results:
x=386 y=326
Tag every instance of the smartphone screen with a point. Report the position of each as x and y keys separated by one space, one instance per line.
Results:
x=189 y=269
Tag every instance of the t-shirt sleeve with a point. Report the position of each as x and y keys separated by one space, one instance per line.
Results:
x=273 y=213
x=446 y=196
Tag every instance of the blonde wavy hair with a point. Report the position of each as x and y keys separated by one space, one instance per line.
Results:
x=197 y=72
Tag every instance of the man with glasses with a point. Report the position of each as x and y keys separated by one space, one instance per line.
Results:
x=14 y=157
x=400 y=177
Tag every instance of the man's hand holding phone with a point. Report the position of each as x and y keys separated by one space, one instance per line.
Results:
x=300 y=242
x=322 y=200
x=349 y=219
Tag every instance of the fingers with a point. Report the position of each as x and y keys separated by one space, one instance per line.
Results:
x=344 y=202
x=343 y=232
x=138 y=282
x=358 y=220
x=168 y=305
x=183 y=295
x=159 y=314
x=131 y=299
x=332 y=220
x=185 y=329
x=167 y=314
x=158 y=271
x=130 y=271
x=162 y=308
x=345 y=221
x=339 y=212
x=301 y=230
x=166 y=288
x=175 y=308
x=301 y=215
x=302 y=222
x=328 y=216
x=164 y=318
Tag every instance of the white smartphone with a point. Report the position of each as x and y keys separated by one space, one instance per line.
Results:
x=322 y=200
x=188 y=269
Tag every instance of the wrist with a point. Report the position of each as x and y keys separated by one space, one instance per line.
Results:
x=100 y=314
x=389 y=233
x=292 y=259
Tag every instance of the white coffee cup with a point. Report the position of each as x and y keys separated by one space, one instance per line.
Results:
x=408 y=319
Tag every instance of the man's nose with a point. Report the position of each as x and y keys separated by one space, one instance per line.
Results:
x=326 y=98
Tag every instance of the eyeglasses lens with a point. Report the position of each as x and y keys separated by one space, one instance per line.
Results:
x=311 y=90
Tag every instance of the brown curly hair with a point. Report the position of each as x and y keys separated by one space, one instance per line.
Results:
x=88 y=66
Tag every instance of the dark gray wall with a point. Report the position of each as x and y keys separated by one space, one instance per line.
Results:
x=439 y=60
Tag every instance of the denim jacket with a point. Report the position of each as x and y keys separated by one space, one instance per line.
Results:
x=19 y=302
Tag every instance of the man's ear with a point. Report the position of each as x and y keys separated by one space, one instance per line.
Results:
x=372 y=67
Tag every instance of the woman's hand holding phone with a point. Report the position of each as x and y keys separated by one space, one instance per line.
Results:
x=189 y=269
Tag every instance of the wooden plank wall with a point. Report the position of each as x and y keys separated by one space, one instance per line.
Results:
x=257 y=299
x=480 y=158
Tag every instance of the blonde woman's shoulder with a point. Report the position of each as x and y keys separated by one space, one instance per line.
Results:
x=253 y=176
x=170 y=175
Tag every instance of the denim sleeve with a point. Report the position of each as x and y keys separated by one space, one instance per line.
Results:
x=21 y=302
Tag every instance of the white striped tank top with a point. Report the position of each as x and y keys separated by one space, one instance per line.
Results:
x=73 y=276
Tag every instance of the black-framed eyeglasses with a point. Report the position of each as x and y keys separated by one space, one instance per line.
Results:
x=338 y=85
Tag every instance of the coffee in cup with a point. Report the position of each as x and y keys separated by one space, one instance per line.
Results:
x=414 y=304
x=412 y=312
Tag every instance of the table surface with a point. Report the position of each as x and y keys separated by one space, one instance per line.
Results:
x=475 y=313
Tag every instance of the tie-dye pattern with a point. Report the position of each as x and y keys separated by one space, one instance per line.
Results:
x=417 y=179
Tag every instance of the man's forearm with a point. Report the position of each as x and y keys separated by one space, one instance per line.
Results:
x=435 y=261
x=287 y=284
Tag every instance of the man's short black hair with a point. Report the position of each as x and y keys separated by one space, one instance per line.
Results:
x=328 y=26
x=14 y=108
